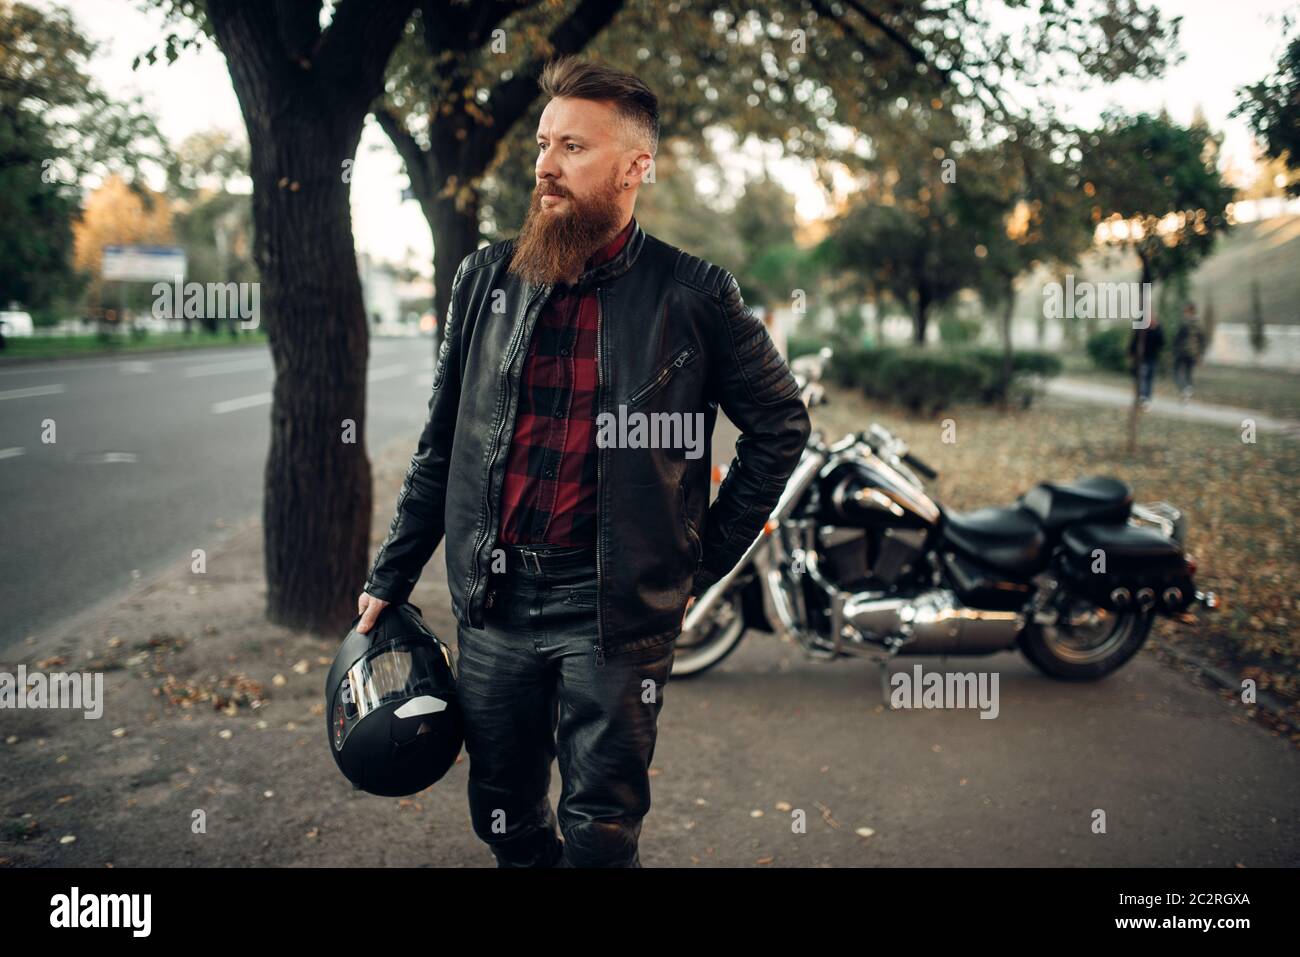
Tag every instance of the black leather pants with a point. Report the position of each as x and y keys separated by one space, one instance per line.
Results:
x=530 y=690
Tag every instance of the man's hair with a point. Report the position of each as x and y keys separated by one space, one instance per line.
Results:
x=581 y=79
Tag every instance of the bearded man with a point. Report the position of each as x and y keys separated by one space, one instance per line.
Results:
x=571 y=561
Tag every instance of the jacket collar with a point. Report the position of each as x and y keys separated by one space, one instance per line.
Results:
x=614 y=267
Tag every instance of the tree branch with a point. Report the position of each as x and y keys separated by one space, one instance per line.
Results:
x=463 y=27
x=298 y=23
x=903 y=43
x=354 y=49
x=510 y=100
x=416 y=159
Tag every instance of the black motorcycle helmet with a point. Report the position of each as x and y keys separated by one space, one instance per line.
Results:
x=391 y=713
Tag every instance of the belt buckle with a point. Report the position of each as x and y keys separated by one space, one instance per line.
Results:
x=537 y=562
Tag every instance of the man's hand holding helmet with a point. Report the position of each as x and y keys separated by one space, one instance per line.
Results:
x=368 y=607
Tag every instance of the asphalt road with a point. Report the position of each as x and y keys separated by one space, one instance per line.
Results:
x=153 y=457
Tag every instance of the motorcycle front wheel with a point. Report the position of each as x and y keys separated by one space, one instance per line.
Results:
x=701 y=649
x=1087 y=641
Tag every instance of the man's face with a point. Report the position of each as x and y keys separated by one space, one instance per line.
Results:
x=579 y=202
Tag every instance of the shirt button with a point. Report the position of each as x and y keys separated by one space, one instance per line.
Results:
x=549 y=473
x=564 y=351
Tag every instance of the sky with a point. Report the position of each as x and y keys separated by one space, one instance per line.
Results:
x=1228 y=43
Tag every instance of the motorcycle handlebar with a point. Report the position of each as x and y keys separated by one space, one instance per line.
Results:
x=920 y=466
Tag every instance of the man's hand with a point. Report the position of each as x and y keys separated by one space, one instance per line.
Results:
x=689 y=602
x=368 y=607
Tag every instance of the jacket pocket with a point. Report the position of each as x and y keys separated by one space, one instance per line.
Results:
x=681 y=358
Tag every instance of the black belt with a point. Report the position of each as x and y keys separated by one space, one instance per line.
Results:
x=539 y=558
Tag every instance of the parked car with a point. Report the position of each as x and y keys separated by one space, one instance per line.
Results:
x=15 y=323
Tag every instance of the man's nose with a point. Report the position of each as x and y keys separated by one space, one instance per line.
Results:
x=547 y=168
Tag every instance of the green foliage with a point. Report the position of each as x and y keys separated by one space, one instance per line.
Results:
x=1272 y=108
x=35 y=222
x=954 y=330
x=1028 y=362
x=1108 y=348
x=1142 y=168
x=796 y=346
x=926 y=381
x=56 y=128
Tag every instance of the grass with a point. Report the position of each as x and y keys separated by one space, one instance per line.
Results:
x=1239 y=499
x=60 y=347
x=1272 y=391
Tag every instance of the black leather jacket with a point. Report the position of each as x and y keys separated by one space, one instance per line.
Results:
x=674 y=336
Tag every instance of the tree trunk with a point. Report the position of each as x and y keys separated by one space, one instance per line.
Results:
x=922 y=316
x=304 y=96
x=316 y=511
x=1138 y=353
x=456 y=235
x=1008 y=359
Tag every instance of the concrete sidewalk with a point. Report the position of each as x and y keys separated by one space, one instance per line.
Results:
x=1082 y=390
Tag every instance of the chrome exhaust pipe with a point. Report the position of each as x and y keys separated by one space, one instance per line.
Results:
x=934 y=623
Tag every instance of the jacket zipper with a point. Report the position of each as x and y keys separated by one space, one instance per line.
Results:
x=600 y=393
x=496 y=442
x=664 y=375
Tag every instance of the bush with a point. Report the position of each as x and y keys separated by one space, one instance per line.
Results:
x=1023 y=366
x=925 y=381
x=796 y=346
x=954 y=330
x=1108 y=349
x=929 y=380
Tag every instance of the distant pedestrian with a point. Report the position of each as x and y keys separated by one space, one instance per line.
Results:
x=1190 y=342
x=1154 y=336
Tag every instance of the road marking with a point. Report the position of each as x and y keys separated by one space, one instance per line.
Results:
x=387 y=372
x=11 y=453
x=28 y=393
x=136 y=368
x=245 y=402
x=110 y=457
x=224 y=368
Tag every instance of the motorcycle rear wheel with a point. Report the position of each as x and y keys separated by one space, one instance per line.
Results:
x=1087 y=643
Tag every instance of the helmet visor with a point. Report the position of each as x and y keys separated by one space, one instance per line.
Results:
x=393 y=673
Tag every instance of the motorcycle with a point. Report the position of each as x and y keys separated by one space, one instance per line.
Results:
x=856 y=559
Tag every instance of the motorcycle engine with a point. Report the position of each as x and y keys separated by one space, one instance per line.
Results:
x=859 y=558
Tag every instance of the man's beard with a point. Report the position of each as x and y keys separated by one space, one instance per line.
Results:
x=554 y=246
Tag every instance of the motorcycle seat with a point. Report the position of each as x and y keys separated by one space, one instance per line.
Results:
x=1008 y=538
x=1097 y=498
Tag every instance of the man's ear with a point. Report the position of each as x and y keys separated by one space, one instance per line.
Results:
x=639 y=170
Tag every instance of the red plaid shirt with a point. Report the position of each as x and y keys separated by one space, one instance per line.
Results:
x=549 y=494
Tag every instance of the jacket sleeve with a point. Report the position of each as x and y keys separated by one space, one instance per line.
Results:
x=758 y=392
x=419 y=521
